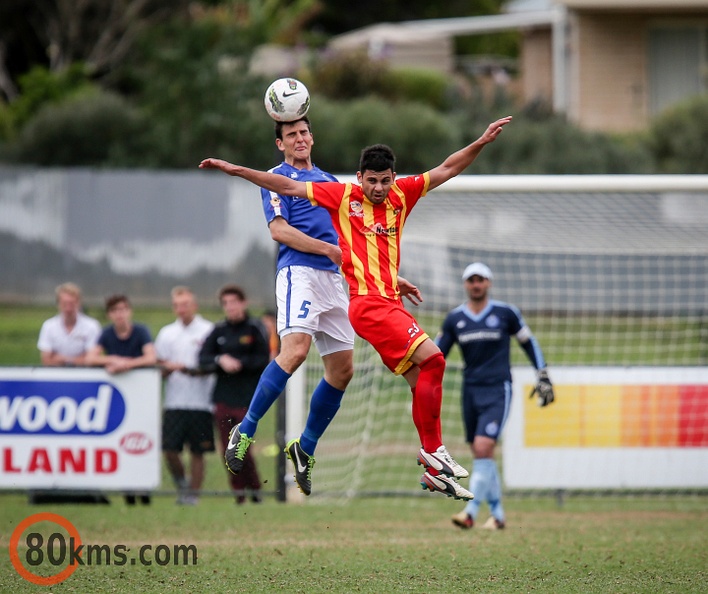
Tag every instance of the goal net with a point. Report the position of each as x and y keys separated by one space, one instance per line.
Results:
x=608 y=271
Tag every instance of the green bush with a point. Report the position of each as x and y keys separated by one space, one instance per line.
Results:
x=347 y=75
x=418 y=84
x=353 y=75
x=40 y=87
x=678 y=138
x=553 y=146
x=94 y=129
x=420 y=136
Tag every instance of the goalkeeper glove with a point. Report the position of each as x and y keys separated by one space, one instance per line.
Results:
x=543 y=389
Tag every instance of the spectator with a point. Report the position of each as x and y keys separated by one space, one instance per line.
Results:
x=187 y=404
x=237 y=350
x=65 y=339
x=122 y=346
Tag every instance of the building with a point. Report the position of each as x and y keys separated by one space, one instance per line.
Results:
x=610 y=65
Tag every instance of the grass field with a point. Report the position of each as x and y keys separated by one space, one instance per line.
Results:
x=378 y=545
x=385 y=545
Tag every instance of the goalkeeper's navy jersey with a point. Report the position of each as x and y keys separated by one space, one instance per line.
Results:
x=299 y=213
x=484 y=341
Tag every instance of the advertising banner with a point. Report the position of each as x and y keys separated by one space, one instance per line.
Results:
x=79 y=428
x=610 y=427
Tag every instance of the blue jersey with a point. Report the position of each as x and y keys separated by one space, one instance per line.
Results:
x=484 y=341
x=129 y=347
x=303 y=216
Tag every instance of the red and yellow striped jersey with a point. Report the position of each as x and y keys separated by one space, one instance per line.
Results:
x=370 y=234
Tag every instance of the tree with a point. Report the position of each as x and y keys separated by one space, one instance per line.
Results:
x=56 y=33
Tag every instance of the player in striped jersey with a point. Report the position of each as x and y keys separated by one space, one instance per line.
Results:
x=483 y=327
x=312 y=307
x=369 y=219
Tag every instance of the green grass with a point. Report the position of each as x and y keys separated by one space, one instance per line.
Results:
x=645 y=544
x=386 y=545
x=20 y=325
x=566 y=340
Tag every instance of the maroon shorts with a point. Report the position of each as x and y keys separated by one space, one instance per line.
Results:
x=388 y=327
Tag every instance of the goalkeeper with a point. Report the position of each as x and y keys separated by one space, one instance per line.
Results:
x=483 y=328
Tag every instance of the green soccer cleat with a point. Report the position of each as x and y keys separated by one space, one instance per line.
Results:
x=303 y=464
x=236 y=450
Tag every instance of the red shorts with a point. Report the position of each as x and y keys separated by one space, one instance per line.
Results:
x=388 y=327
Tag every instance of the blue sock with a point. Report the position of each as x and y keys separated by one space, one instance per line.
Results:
x=480 y=483
x=323 y=406
x=270 y=386
x=494 y=494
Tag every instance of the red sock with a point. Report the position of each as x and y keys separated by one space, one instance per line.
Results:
x=416 y=412
x=427 y=402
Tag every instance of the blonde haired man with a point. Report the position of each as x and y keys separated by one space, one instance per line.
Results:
x=65 y=338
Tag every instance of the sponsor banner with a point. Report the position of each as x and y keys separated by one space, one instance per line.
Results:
x=626 y=427
x=79 y=428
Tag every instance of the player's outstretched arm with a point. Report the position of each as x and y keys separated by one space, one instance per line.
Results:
x=462 y=159
x=270 y=181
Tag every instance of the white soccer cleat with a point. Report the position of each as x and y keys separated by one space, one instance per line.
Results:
x=493 y=524
x=463 y=520
x=442 y=461
x=445 y=484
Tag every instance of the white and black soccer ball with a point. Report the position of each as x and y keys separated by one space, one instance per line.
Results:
x=287 y=100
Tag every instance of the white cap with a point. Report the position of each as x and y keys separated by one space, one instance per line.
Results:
x=477 y=268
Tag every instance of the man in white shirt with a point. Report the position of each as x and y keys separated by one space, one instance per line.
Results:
x=64 y=341
x=187 y=404
x=65 y=338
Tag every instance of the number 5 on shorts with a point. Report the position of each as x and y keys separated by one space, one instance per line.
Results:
x=304 y=309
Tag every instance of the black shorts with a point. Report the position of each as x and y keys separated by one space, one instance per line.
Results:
x=485 y=410
x=195 y=427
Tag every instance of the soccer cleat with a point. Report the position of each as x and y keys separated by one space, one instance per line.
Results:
x=303 y=464
x=442 y=461
x=236 y=450
x=463 y=520
x=493 y=524
x=445 y=484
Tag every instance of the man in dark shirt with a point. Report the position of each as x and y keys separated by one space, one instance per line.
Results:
x=237 y=350
x=122 y=346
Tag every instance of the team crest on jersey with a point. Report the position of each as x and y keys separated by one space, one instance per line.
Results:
x=492 y=321
x=356 y=209
x=461 y=324
x=293 y=174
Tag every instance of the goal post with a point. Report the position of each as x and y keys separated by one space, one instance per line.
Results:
x=610 y=273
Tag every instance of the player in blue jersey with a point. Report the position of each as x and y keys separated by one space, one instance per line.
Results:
x=312 y=306
x=482 y=328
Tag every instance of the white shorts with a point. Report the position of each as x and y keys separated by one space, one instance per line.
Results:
x=314 y=302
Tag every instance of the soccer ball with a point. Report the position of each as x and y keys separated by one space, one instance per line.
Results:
x=287 y=100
